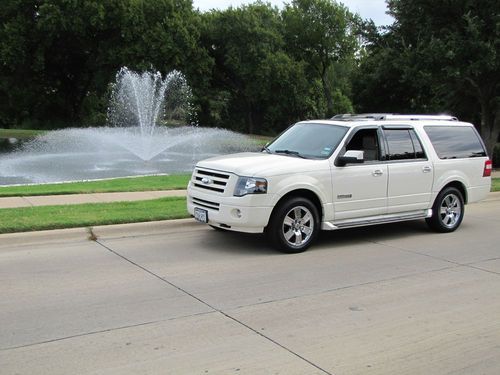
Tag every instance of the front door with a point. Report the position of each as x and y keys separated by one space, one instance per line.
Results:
x=360 y=190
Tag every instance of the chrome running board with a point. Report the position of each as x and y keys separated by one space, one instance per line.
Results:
x=374 y=220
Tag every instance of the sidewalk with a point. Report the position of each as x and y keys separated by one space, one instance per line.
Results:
x=52 y=200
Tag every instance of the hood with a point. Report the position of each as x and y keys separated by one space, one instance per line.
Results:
x=261 y=164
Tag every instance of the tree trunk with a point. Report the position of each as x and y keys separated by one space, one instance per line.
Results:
x=327 y=93
x=250 y=123
x=490 y=124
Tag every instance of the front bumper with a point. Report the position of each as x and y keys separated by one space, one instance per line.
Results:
x=249 y=214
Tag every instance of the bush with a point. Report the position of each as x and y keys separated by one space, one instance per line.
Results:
x=496 y=156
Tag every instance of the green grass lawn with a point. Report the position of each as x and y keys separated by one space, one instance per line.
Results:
x=27 y=219
x=171 y=182
x=20 y=133
x=495 y=184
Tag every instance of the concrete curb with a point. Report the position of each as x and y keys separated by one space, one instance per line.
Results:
x=106 y=232
x=493 y=196
x=102 y=232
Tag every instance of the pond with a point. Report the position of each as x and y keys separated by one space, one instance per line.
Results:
x=100 y=153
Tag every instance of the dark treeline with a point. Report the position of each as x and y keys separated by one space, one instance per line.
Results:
x=256 y=68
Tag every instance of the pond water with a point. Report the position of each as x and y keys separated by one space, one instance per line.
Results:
x=90 y=154
x=135 y=140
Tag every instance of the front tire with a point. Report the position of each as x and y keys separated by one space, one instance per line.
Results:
x=447 y=211
x=294 y=225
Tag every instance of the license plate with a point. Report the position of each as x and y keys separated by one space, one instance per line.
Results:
x=201 y=215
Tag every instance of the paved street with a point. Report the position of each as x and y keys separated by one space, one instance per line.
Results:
x=394 y=299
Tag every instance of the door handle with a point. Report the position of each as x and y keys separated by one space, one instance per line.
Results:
x=377 y=173
x=426 y=169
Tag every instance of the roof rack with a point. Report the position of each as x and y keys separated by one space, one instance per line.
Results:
x=390 y=117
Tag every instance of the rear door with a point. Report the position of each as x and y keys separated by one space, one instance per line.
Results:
x=410 y=172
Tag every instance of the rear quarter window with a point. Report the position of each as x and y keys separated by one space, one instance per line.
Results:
x=455 y=142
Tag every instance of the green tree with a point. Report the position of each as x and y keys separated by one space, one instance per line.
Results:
x=58 y=57
x=256 y=86
x=54 y=54
x=439 y=55
x=323 y=33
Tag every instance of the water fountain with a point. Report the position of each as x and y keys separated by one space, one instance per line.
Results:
x=148 y=132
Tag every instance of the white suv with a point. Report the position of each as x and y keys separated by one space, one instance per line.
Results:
x=352 y=170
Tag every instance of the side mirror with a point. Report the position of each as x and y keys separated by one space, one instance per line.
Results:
x=351 y=157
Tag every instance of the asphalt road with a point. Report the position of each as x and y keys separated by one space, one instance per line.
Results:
x=394 y=299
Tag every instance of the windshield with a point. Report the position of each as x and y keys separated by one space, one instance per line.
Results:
x=308 y=140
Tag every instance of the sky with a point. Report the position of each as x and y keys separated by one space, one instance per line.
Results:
x=374 y=9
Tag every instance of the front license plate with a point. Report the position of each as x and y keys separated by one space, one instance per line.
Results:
x=201 y=215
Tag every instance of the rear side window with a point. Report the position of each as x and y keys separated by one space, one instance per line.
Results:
x=403 y=144
x=455 y=142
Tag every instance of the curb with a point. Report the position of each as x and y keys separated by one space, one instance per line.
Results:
x=102 y=232
x=492 y=196
x=107 y=232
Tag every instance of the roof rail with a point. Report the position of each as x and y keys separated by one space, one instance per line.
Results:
x=391 y=116
x=360 y=116
x=421 y=117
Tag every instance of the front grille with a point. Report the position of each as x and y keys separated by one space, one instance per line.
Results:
x=209 y=180
x=206 y=204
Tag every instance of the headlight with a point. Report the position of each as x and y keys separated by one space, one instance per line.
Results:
x=250 y=185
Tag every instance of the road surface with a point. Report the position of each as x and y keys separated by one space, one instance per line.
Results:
x=395 y=299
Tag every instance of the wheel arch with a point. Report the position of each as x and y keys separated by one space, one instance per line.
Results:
x=459 y=186
x=301 y=193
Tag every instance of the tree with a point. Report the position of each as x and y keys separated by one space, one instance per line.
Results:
x=443 y=55
x=58 y=57
x=256 y=87
x=323 y=34
x=54 y=55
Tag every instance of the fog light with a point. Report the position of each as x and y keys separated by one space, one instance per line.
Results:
x=236 y=213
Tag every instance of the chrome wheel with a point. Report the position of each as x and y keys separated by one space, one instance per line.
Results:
x=298 y=226
x=447 y=211
x=294 y=225
x=450 y=210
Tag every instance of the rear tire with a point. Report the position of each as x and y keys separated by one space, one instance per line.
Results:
x=294 y=225
x=448 y=211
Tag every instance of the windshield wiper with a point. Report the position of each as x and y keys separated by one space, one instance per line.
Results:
x=290 y=152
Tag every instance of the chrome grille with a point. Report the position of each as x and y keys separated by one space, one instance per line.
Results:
x=210 y=180
x=205 y=204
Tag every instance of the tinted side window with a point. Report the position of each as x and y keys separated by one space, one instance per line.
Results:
x=419 y=151
x=453 y=142
x=403 y=144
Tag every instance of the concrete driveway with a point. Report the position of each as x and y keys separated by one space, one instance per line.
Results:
x=180 y=298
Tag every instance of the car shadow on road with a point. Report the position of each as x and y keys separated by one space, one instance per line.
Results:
x=374 y=233
x=235 y=243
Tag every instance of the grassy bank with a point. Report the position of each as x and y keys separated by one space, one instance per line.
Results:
x=20 y=133
x=171 y=182
x=83 y=215
x=495 y=184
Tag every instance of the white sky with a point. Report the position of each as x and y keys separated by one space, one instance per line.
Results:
x=374 y=9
